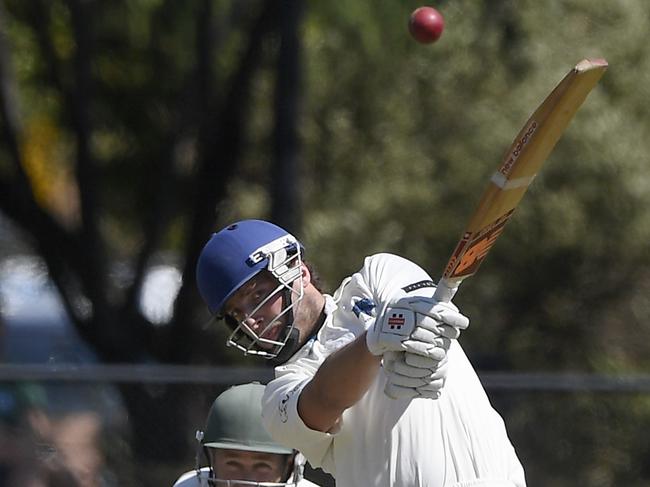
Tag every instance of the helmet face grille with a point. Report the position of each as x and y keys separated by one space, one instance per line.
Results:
x=251 y=342
x=223 y=483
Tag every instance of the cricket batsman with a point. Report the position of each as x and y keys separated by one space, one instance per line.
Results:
x=370 y=383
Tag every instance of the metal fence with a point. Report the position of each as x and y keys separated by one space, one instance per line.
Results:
x=134 y=425
x=192 y=374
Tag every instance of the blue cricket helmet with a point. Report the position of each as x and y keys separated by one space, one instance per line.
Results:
x=236 y=254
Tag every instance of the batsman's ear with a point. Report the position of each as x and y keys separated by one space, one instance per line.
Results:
x=305 y=274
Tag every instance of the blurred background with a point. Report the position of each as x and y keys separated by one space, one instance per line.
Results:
x=132 y=129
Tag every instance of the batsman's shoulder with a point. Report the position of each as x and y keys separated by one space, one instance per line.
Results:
x=384 y=267
x=385 y=262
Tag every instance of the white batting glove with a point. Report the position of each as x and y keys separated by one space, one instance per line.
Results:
x=415 y=324
x=410 y=376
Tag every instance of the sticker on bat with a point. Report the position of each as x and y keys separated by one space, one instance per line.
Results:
x=518 y=148
x=473 y=248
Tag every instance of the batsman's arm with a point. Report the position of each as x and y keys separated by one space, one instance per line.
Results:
x=341 y=380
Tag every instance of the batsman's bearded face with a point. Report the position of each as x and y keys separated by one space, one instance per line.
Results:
x=260 y=314
x=258 y=306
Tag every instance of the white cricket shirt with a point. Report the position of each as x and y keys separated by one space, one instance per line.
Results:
x=457 y=440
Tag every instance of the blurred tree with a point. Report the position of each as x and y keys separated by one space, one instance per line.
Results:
x=285 y=194
x=144 y=130
x=122 y=126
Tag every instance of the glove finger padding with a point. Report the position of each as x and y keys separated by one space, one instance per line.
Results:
x=446 y=313
x=431 y=338
x=379 y=343
x=431 y=391
x=407 y=358
x=406 y=380
x=429 y=350
x=432 y=380
x=397 y=392
x=402 y=368
x=431 y=325
x=422 y=362
x=390 y=357
x=449 y=331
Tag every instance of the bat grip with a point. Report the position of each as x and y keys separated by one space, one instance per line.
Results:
x=446 y=290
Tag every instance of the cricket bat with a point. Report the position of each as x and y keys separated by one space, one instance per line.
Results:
x=521 y=163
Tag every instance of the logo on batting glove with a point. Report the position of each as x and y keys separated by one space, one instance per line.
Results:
x=398 y=321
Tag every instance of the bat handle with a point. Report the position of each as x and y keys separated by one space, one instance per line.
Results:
x=446 y=290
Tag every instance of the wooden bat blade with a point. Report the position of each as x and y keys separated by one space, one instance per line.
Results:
x=522 y=161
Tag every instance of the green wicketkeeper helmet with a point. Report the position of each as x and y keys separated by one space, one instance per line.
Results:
x=235 y=422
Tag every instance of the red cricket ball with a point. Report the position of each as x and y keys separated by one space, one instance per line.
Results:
x=426 y=25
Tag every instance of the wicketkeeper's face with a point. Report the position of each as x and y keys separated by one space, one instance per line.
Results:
x=249 y=466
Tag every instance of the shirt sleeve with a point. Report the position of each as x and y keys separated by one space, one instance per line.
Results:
x=281 y=419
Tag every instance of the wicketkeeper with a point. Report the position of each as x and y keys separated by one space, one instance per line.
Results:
x=238 y=450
